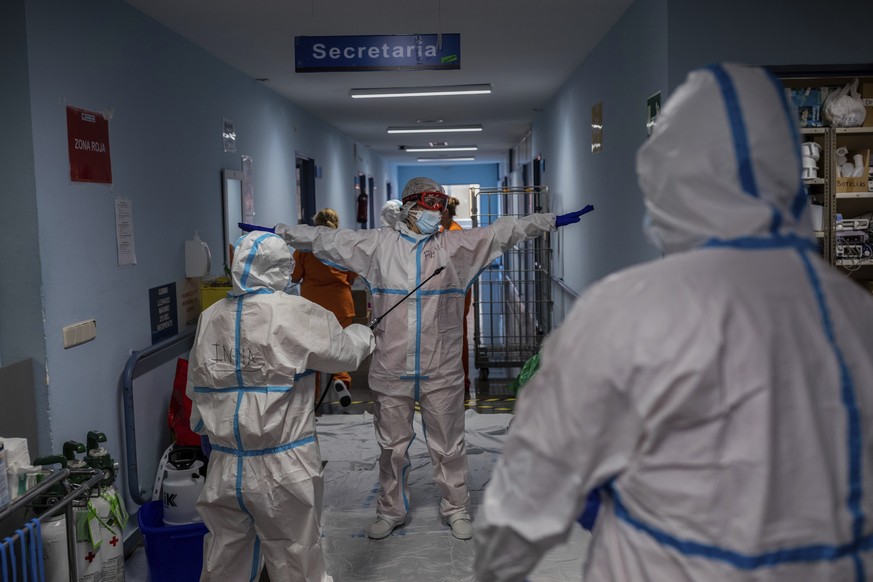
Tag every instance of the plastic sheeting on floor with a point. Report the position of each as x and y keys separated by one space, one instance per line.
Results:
x=424 y=550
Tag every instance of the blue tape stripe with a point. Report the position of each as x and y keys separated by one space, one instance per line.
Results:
x=334 y=265
x=782 y=241
x=261 y=291
x=253 y=252
x=240 y=452
x=738 y=129
x=800 y=197
x=853 y=416
x=199 y=426
x=415 y=377
x=418 y=314
x=251 y=389
x=256 y=559
x=451 y=290
x=407 y=238
x=810 y=553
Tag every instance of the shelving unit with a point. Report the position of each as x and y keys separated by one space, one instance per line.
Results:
x=853 y=255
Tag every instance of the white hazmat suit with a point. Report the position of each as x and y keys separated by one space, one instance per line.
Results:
x=251 y=382
x=418 y=344
x=720 y=397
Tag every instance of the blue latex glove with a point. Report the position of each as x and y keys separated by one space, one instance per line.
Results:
x=570 y=217
x=250 y=227
x=205 y=446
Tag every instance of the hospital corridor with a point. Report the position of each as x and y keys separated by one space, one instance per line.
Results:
x=436 y=291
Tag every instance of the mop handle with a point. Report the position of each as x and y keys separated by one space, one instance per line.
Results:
x=376 y=321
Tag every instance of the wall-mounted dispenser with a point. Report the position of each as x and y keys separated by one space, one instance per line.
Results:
x=198 y=259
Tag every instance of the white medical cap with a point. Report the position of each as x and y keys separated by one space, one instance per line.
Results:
x=420 y=184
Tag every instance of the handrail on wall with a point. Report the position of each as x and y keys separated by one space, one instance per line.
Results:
x=560 y=283
x=134 y=489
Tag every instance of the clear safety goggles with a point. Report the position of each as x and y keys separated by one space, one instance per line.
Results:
x=429 y=200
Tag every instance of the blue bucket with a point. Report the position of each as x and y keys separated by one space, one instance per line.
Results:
x=174 y=552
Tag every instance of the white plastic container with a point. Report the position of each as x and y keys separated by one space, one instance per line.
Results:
x=816 y=212
x=181 y=488
x=4 y=484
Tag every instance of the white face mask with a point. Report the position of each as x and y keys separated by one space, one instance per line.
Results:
x=428 y=221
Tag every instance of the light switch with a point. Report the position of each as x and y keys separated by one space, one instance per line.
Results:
x=79 y=333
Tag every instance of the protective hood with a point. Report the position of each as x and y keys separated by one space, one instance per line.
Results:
x=723 y=162
x=261 y=263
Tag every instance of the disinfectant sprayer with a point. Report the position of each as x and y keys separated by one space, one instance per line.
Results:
x=378 y=320
x=111 y=514
x=181 y=486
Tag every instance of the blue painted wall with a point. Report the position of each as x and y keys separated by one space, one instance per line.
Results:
x=651 y=49
x=166 y=99
x=486 y=175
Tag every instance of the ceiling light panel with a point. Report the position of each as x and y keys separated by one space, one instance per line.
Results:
x=435 y=129
x=441 y=149
x=389 y=92
x=460 y=159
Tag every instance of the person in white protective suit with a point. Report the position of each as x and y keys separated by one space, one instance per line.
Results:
x=418 y=345
x=251 y=381
x=719 y=397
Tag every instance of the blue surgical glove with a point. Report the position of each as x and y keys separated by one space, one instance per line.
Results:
x=205 y=446
x=571 y=217
x=250 y=227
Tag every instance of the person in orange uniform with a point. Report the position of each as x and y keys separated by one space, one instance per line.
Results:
x=448 y=223
x=332 y=289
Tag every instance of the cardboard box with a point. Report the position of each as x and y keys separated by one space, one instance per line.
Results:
x=858 y=184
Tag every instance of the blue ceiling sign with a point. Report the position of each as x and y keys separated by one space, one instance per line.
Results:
x=398 y=52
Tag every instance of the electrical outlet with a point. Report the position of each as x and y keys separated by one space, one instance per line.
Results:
x=79 y=333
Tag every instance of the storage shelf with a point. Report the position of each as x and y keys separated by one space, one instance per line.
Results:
x=813 y=130
x=854 y=130
x=814 y=181
x=845 y=195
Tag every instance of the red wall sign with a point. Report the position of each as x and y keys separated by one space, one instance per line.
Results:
x=88 y=142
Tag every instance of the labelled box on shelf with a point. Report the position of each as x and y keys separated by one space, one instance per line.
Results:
x=856 y=184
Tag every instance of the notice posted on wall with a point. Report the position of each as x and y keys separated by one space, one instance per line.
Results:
x=124 y=232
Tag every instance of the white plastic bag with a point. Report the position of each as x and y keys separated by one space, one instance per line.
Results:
x=844 y=108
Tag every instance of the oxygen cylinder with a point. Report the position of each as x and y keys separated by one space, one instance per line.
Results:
x=54 y=549
x=54 y=529
x=89 y=542
x=88 y=560
x=181 y=486
x=111 y=513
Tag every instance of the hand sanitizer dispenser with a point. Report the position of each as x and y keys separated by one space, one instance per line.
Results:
x=198 y=259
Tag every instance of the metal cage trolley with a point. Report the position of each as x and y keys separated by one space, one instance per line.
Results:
x=512 y=298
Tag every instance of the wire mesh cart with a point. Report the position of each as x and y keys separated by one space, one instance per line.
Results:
x=512 y=297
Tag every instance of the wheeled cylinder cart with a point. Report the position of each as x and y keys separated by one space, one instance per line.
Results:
x=512 y=297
